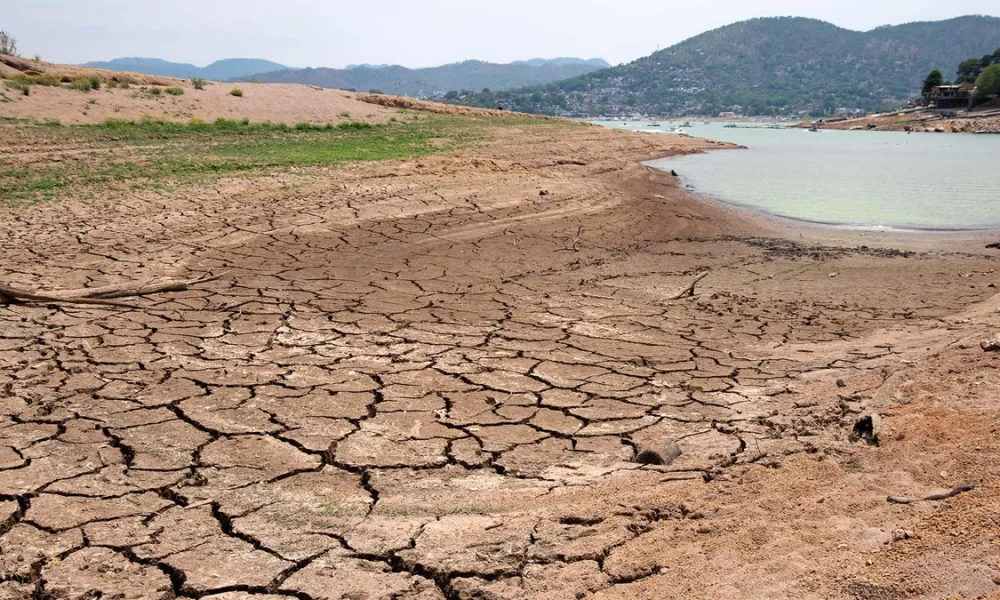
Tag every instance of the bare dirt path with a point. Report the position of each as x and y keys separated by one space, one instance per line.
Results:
x=429 y=379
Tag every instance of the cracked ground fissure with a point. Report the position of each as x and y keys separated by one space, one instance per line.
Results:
x=411 y=388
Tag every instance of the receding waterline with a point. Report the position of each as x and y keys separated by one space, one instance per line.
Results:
x=847 y=226
x=861 y=180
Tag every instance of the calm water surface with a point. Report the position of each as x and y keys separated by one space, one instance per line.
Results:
x=865 y=179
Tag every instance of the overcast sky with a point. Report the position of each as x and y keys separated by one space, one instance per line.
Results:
x=414 y=33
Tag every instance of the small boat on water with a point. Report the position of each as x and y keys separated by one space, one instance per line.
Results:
x=653 y=124
x=687 y=124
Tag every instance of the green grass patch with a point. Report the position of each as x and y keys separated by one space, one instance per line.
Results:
x=236 y=92
x=164 y=153
x=81 y=83
x=174 y=91
x=43 y=80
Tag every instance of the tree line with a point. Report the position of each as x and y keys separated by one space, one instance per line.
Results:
x=983 y=72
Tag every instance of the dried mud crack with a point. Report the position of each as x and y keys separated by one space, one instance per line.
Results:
x=408 y=388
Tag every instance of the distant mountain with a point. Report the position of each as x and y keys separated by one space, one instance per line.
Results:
x=220 y=70
x=600 y=63
x=772 y=66
x=365 y=66
x=468 y=75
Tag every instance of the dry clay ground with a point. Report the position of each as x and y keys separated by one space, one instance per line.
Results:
x=425 y=379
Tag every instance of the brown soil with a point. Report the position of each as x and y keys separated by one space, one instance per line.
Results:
x=279 y=103
x=426 y=379
x=437 y=107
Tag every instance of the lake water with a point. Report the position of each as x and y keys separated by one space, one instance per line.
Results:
x=864 y=179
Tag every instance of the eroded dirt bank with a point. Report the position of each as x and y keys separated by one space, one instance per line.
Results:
x=430 y=378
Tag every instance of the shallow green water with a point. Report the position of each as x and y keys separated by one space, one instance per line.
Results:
x=865 y=179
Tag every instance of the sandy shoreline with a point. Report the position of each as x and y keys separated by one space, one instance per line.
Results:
x=430 y=379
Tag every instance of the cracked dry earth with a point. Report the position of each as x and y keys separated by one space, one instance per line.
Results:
x=424 y=380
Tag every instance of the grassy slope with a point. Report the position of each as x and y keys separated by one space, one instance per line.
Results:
x=119 y=156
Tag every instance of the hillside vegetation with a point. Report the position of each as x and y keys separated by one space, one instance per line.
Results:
x=420 y=83
x=771 y=66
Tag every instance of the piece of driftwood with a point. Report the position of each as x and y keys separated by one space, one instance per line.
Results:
x=689 y=290
x=102 y=296
x=965 y=487
x=9 y=295
x=156 y=285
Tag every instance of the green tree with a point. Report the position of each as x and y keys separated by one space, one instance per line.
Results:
x=968 y=71
x=988 y=83
x=933 y=79
x=8 y=44
x=452 y=95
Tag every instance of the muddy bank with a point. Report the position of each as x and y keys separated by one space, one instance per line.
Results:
x=431 y=379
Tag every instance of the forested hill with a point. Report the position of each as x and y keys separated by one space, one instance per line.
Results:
x=220 y=70
x=469 y=75
x=770 y=66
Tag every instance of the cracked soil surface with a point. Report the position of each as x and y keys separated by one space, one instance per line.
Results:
x=426 y=379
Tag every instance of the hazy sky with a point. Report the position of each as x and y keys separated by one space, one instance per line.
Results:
x=414 y=33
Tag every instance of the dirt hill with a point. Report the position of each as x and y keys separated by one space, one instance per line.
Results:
x=51 y=97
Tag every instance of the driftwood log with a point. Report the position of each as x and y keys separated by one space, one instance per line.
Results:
x=103 y=296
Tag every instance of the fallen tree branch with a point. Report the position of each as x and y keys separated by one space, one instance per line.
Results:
x=965 y=487
x=689 y=290
x=101 y=296
x=9 y=295
x=156 y=285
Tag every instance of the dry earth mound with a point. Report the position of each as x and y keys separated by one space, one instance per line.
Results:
x=147 y=96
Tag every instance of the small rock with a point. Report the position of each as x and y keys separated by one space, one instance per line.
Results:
x=991 y=345
x=543 y=193
x=899 y=535
x=841 y=383
x=834 y=274
x=996 y=579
